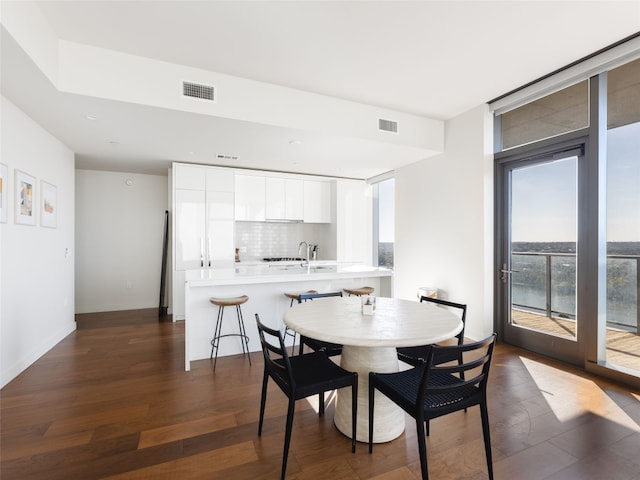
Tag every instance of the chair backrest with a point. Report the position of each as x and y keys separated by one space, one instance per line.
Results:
x=460 y=378
x=276 y=359
x=446 y=303
x=311 y=296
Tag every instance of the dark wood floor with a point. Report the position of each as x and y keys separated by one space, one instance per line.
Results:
x=112 y=401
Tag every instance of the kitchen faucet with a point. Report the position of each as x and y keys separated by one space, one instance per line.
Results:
x=300 y=247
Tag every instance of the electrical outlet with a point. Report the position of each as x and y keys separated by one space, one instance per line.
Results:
x=127 y=284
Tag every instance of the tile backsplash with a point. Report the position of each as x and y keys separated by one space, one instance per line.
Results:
x=257 y=240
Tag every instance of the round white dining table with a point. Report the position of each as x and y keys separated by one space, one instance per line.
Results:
x=369 y=344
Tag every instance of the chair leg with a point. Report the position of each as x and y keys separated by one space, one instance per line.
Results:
x=321 y=404
x=422 y=447
x=287 y=435
x=354 y=413
x=263 y=401
x=487 y=438
x=371 y=399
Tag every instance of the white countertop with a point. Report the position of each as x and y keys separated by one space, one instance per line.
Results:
x=240 y=274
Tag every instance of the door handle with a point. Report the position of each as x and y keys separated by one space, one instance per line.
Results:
x=505 y=271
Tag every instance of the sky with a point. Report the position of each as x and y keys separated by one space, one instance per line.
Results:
x=544 y=197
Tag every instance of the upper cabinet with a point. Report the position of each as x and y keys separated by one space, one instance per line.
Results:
x=284 y=199
x=250 y=201
x=317 y=201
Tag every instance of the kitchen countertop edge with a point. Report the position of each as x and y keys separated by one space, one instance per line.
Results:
x=229 y=276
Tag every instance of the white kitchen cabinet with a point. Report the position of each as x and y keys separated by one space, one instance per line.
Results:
x=250 y=200
x=189 y=177
x=203 y=234
x=317 y=201
x=204 y=228
x=284 y=199
x=190 y=228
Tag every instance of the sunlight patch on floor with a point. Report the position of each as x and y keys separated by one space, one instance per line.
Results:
x=329 y=398
x=570 y=396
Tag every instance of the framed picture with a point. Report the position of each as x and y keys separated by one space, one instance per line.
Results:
x=49 y=204
x=4 y=189
x=25 y=188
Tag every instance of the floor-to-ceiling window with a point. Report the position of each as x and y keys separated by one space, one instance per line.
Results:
x=383 y=222
x=621 y=341
x=568 y=222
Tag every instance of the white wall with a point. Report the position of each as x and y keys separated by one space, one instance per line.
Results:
x=37 y=278
x=118 y=240
x=444 y=222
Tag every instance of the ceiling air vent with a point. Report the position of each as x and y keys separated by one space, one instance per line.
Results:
x=197 y=90
x=387 y=125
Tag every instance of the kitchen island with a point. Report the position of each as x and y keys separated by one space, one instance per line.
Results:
x=265 y=285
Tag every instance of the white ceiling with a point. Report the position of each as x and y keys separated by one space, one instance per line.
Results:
x=433 y=59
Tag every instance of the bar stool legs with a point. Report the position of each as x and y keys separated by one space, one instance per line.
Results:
x=244 y=339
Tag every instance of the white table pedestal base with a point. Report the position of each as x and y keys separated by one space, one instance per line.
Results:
x=389 y=419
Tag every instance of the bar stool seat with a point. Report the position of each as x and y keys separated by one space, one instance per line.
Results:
x=215 y=342
x=296 y=296
x=359 y=291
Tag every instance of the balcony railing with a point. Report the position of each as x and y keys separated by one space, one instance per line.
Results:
x=546 y=283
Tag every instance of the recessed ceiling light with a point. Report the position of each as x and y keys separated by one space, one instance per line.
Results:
x=114 y=143
x=294 y=142
x=192 y=153
x=89 y=116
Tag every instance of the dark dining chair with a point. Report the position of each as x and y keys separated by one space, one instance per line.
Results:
x=414 y=355
x=299 y=377
x=329 y=349
x=430 y=390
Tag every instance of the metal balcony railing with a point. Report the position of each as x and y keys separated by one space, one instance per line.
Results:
x=546 y=283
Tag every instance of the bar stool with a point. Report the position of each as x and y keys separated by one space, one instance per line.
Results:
x=296 y=297
x=215 y=342
x=359 y=291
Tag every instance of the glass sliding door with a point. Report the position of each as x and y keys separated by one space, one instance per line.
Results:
x=539 y=269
